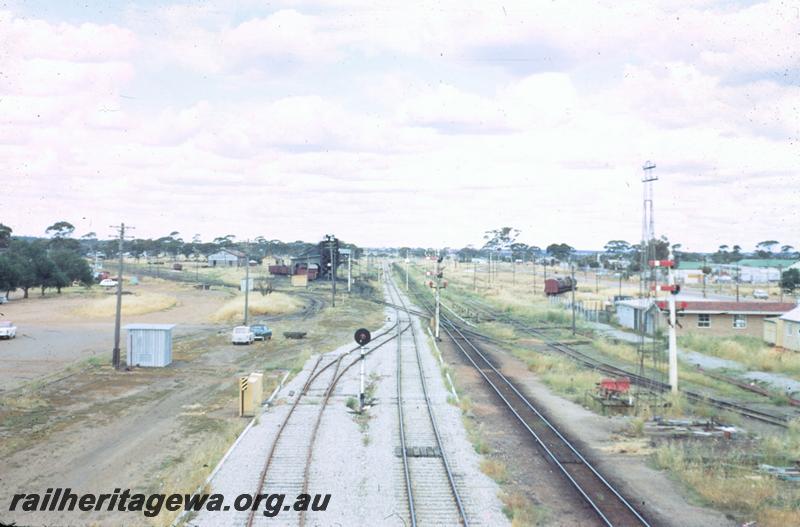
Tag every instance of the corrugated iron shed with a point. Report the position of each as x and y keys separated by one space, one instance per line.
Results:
x=149 y=345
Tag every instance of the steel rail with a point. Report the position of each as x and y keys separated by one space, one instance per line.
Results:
x=446 y=464
x=627 y=507
x=313 y=440
x=596 y=364
x=313 y=375
x=263 y=475
x=406 y=472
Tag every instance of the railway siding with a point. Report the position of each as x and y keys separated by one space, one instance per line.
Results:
x=354 y=457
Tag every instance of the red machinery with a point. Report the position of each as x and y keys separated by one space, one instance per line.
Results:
x=613 y=388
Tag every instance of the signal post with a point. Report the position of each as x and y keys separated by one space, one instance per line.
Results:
x=436 y=284
x=674 y=289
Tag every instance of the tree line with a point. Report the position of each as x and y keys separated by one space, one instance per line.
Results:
x=60 y=258
x=617 y=254
x=44 y=263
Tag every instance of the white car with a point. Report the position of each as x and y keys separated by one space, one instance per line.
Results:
x=3 y=299
x=242 y=335
x=760 y=294
x=7 y=330
x=108 y=282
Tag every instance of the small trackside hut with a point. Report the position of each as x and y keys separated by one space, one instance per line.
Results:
x=149 y=345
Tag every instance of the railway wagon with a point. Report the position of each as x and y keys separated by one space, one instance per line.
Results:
x=279 y=270
x=310 y=272
x=556 y=286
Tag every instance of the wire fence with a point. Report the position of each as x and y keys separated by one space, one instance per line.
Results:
x=591 y=311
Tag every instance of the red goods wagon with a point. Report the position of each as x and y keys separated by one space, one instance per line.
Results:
x=556 y=286
x=279 y=270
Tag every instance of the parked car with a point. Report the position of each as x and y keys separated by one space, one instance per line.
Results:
x=108 y=282
x=3 y=299
x=261 y=332
x=242 y=335
x=7 y=330
x=760 y=294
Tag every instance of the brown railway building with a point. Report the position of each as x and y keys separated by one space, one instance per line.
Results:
x=723 y=319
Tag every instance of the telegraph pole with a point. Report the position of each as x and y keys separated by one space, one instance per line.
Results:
x=115 y=358
x=349 y=268
x=474 y=275
x=572 y=270
x=737 y=283
x=704 y=276
x=246 y=282
x=331 y=239
x=407 y=262
x=437 y=285
x=513 y=270
x=545 y=272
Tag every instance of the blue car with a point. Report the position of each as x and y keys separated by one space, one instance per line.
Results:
x=261 y=332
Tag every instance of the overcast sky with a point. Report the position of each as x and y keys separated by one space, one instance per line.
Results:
x=421 y=125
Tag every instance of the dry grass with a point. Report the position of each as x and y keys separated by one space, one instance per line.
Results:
x=523 y=282
x=562 y=375
x=495 y=469
x=622 y=351
x=733 y=484
x=137 y=304
x=475 y=434
x=185 y=473
x=272 y=304
x=498 y=330
x=637 y=446
x=519 y=509
x=749 y=351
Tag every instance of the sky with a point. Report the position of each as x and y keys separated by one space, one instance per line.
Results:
x=411 y=123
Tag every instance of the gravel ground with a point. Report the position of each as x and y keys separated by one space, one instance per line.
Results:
x=354 y=457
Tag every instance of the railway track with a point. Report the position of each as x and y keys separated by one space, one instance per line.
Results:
x=645 y=382
x=432 y=495
x=288 y=462
x=610 y=506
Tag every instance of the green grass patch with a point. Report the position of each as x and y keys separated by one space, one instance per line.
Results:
x=750 y=351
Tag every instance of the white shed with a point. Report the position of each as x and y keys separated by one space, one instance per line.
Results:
x=149 y=345
x=629 y=313
x=227 y=258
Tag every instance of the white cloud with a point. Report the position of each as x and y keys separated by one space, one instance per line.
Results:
x=408 y=119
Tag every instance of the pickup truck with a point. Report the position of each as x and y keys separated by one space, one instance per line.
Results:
x=242 y=335
x=261 y=332
x=7 y=330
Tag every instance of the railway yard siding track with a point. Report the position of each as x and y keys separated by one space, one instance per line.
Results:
x=308 y=442
x=432 y=494
x=648 y=383
x=611 y=507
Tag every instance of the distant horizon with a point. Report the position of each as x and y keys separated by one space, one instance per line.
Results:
x=744 y=252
